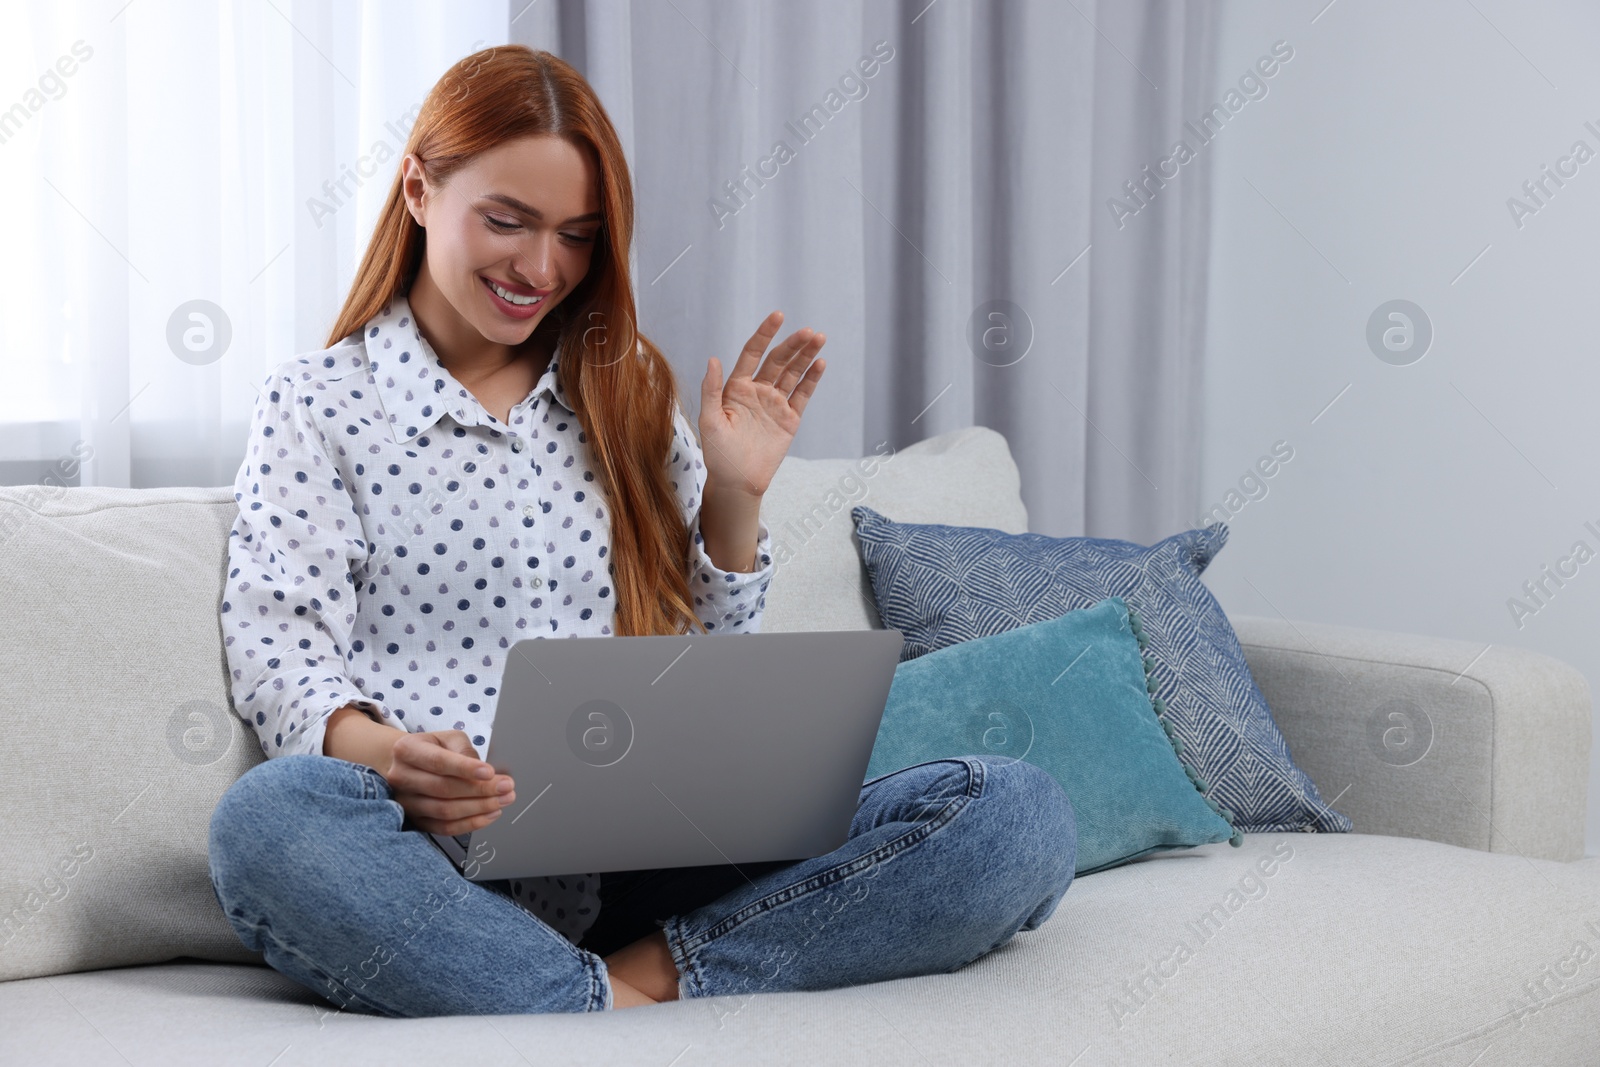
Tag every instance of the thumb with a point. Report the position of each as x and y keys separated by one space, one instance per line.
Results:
x=711 y=384
x=710 y=390
x=455 y=741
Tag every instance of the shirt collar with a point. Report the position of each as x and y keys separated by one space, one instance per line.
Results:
x=415 y=388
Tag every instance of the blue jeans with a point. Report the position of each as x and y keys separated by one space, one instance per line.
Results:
x=313 y=865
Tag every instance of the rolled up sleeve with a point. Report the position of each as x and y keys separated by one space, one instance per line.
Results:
x=289 y=603
x=725 y=601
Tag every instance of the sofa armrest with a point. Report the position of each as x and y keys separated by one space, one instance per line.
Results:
x=1481 y=746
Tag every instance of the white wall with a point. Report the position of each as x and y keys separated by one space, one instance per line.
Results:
x=1388 y=147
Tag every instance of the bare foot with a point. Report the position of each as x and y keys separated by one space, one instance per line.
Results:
x=646 y=966
x=624 y=995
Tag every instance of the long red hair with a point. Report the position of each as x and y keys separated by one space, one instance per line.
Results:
x=622 y=388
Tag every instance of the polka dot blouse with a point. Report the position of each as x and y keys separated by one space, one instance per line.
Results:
x=394 y=540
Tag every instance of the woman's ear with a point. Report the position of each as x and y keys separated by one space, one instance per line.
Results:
x=414 y=187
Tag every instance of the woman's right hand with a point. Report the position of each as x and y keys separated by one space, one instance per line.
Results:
x=437 y=777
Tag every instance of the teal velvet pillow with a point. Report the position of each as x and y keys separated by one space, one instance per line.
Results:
x=1073 y=696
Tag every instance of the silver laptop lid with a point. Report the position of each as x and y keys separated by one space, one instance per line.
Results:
x=672 y=751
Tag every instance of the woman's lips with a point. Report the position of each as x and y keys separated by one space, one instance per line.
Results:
x=507 y=308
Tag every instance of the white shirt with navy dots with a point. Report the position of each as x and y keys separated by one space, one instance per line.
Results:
x=394 y=540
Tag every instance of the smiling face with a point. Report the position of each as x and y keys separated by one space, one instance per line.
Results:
x=509 y=236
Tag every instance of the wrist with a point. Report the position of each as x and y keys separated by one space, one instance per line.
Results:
x=352 y=734
x=730 y=526
x=383 y=761
x=735 y=499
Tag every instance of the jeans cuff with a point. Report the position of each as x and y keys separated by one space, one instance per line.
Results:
x=600 y=993
x=689 y=979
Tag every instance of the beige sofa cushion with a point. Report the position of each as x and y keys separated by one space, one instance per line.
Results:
x=1306 y=949
x=119 y=736
x=963 y=478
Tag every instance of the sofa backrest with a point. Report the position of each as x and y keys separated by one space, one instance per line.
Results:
x=119 y=735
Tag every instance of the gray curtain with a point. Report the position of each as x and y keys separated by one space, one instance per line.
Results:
x=957 y=222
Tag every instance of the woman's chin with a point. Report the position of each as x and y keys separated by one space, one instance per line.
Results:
x=495 y=328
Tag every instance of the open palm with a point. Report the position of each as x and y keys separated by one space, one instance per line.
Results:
x=748 y=423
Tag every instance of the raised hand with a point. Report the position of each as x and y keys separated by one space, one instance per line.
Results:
x=748 y=423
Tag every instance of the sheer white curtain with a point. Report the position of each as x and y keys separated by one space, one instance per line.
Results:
x=161 y=153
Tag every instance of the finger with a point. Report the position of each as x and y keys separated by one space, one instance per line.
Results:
x=444 y=786
x=711 y=388
x=750 y=354
x=426 y=810
x=782 y=357
x=798 y=365
x=807 y=386
x=416 y=785
x=434 y=752
x=457 y=807
x=425 y=763
x=456 y=828
x=488 y=780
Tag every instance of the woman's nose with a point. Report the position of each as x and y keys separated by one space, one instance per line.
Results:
x=535 y=261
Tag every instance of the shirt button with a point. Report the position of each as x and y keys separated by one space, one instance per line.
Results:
x=528 y=511
x=516 y=444
x=537 y=581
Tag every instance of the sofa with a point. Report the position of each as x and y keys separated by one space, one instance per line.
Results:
x=1459 y=923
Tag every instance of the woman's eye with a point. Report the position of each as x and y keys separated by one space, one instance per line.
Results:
x=505 y=227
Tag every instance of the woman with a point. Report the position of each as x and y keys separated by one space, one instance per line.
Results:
x=487 y=450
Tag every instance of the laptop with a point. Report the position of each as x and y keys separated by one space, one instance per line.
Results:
x=679 y=750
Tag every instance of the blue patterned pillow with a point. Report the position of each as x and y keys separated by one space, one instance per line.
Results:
x=941 y=585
